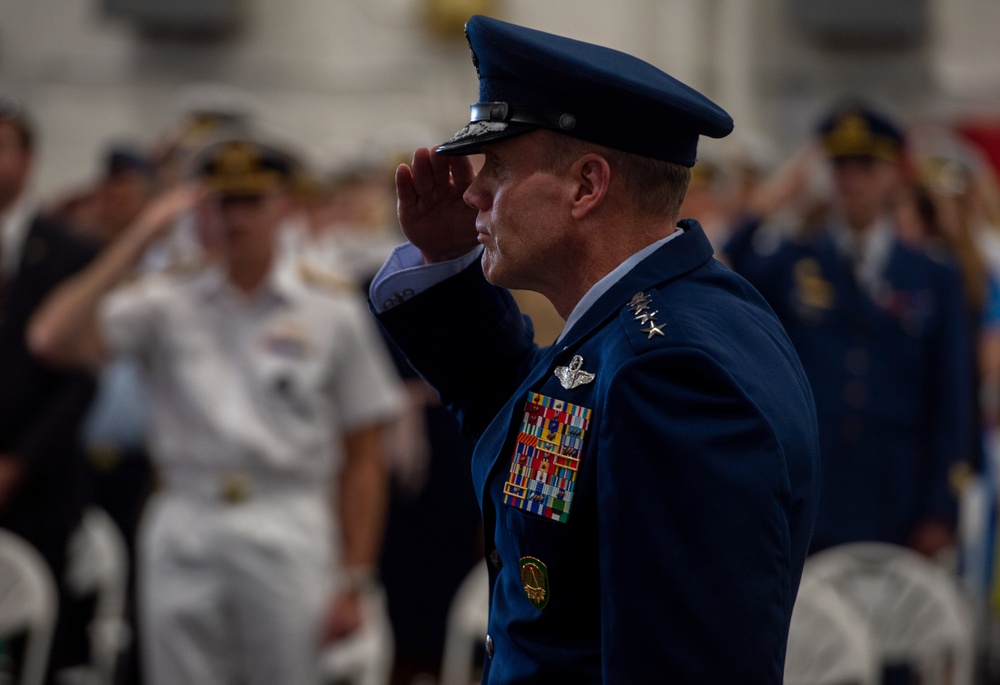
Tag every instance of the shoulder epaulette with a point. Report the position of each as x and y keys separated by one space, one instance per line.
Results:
x=183 y=267
x=644 y=320
x=323 y=279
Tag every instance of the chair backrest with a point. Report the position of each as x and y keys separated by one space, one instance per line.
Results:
x=98 y=565
x=28 y=603
x=465 y=631
x=915 y=611
x=828 y=641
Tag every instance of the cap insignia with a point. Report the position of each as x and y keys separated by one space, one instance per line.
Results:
x=237 y=159
x=478 y=128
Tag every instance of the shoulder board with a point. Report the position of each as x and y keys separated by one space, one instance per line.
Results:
x=329 y=281
x=186 y=266
x=645 y=320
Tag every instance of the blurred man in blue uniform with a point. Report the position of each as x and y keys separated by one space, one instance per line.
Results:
x=648 y=482
x=880 y=330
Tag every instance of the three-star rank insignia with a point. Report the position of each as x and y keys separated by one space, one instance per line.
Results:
x=546 y=457
x=639 y=305
x=535 y=581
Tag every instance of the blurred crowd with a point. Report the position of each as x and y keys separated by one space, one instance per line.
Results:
x=294 y=420
x=877 y=244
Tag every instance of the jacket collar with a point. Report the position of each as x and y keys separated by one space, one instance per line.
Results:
x=280 y=285
x=672 y=260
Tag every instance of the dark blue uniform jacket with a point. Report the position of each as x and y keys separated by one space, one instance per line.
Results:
x=41 y=407
x=661 y=535
x=891 y=373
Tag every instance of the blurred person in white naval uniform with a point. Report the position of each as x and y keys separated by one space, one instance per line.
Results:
x=269 y=389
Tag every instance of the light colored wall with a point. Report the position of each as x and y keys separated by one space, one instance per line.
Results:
x=335 y=74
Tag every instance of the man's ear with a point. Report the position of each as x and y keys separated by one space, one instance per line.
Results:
x=592 y=175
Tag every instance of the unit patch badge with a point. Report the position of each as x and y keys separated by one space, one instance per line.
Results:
x=535 y=581
x=546 y=457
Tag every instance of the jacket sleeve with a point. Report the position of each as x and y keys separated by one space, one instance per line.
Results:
x=761 y=253
x=468 y=339
x=53 y=434
x=951 y=398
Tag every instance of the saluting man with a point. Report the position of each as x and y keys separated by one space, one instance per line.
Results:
x=881 y=331
x=648 y=482
x=268 y=393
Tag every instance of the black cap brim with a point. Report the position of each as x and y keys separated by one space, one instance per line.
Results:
x=475 y=134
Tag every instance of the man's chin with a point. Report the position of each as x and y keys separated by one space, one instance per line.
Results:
x=492 y=271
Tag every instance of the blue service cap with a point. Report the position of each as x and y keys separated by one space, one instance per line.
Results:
x=529 y=79
x=857 y=129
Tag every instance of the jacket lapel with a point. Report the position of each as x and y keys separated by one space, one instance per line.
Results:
x=678 y=257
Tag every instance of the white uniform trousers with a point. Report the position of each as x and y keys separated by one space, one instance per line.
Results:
x=234 y=593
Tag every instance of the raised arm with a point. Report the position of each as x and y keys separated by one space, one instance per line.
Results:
x=65 y=329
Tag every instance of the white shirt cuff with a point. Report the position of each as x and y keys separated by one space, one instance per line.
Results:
x=404 y=275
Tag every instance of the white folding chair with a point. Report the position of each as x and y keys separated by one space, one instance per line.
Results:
x=915 y=611
x=98 y=565
x=365 y=658
x=465 y=632
x=828 y=641
x=28 y=603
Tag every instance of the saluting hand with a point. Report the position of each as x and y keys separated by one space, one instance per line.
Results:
x=161 y=212
x=432 y=213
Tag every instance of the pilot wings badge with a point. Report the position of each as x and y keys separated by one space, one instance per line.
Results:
x=572 y=376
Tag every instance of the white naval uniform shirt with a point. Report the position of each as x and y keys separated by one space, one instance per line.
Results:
x=266 y=384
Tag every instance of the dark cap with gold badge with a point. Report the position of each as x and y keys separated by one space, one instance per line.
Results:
x=529 y=79
x=855 y=129
x=245 y=167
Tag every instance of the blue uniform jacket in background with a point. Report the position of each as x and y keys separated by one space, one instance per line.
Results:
x=892 y=375
x=691 y=509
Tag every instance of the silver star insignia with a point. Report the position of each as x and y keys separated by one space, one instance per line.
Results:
x=572 y=376
x=638 y=297
x=645 y=317
x=653 y=329
x=639 y=302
